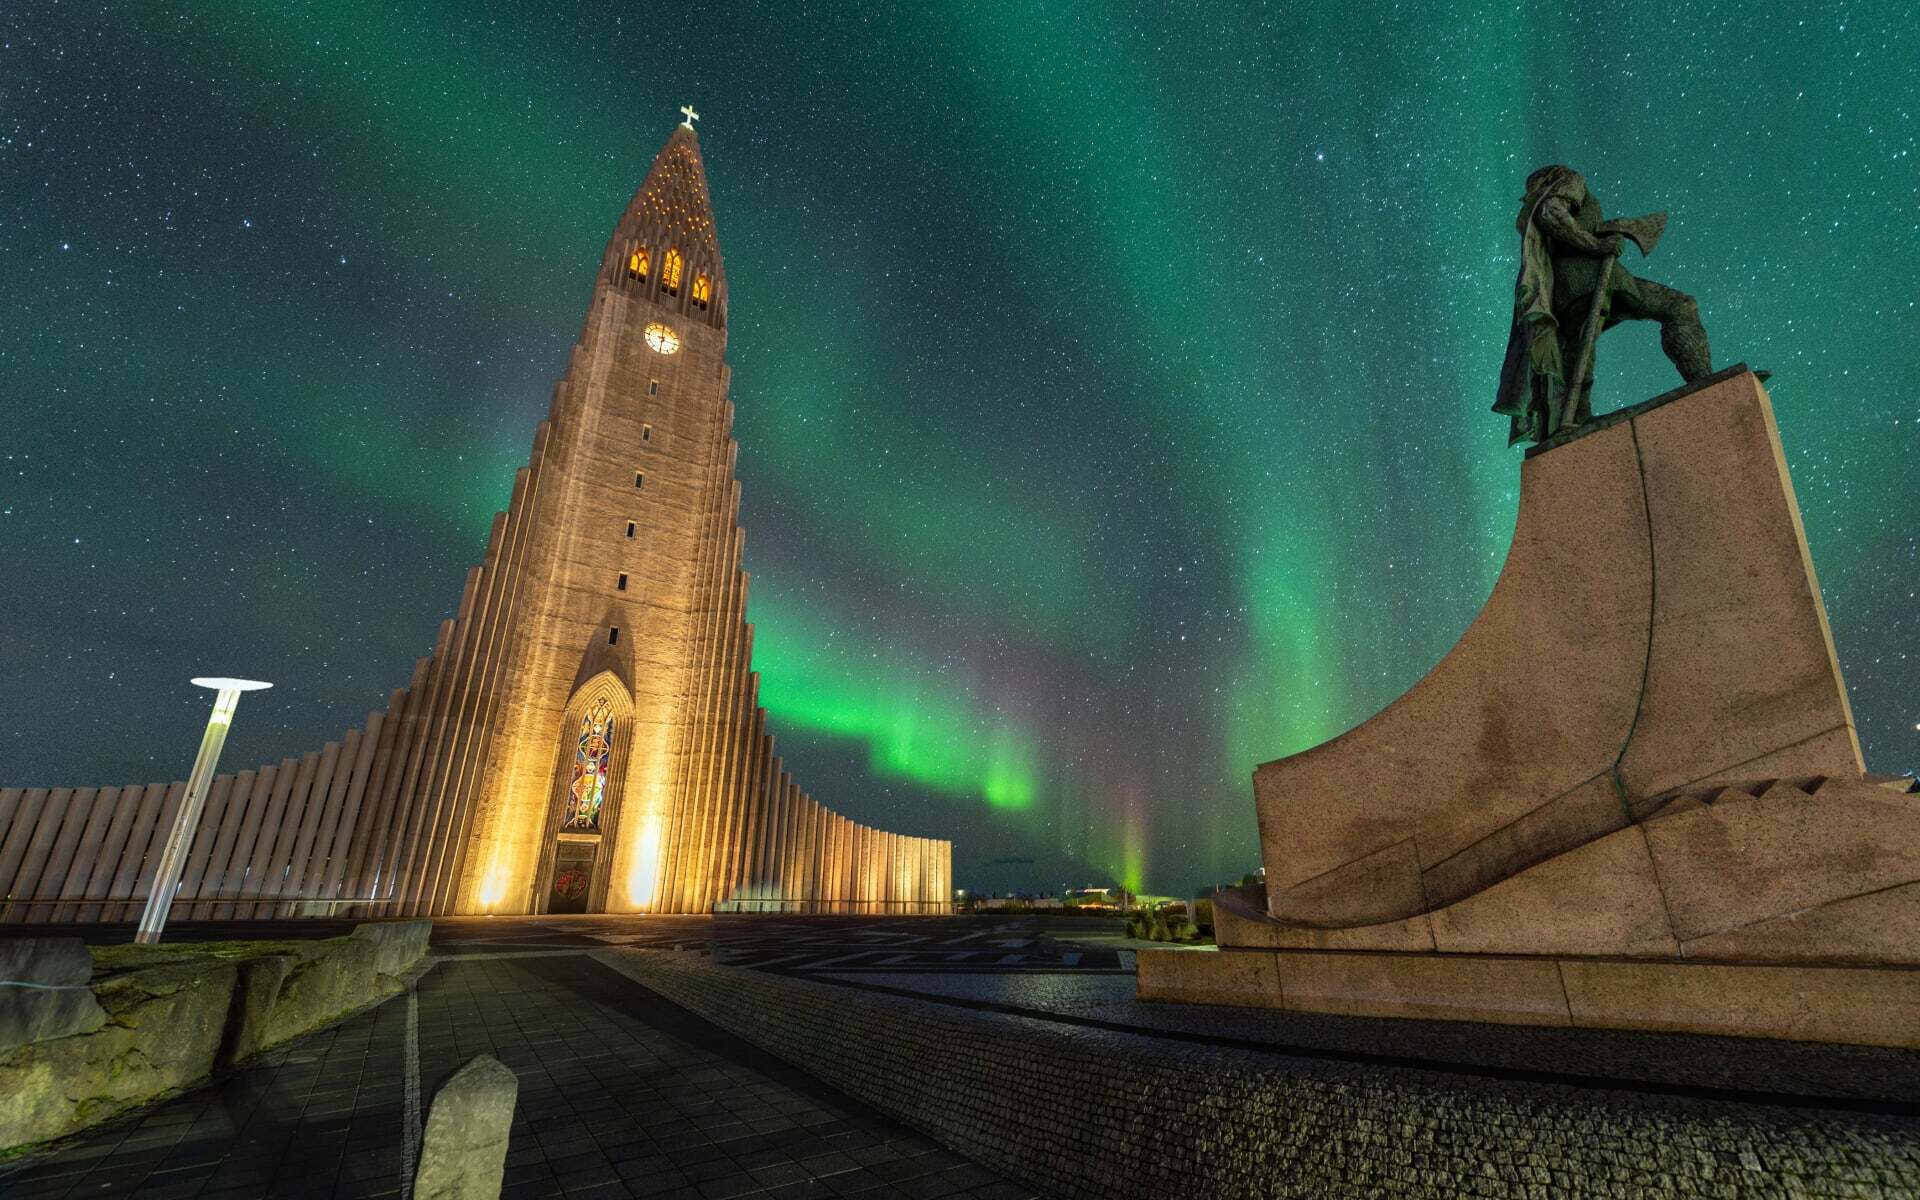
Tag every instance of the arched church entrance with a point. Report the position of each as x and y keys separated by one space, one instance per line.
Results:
x=577 y=861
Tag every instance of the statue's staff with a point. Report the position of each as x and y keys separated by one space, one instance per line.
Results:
x=1645 y=233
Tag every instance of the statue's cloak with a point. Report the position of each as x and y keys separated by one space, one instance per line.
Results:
x=1534 y=376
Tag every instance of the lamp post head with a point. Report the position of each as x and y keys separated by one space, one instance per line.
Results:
x=229 y=697
x=222 y=684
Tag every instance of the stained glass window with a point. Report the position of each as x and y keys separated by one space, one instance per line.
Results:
x=637 y=266
x=670 y=272
x=702 y=290
x=591 y=762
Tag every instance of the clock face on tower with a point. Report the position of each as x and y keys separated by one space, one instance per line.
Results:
x=662 y=339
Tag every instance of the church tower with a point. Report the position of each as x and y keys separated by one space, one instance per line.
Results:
x=630 y=766
x=586 y=735
x=633 y=549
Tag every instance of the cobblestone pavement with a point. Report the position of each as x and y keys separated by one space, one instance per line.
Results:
x=1744 y=1068
x=460 y=936
x=999 y=946
x=621 y=1094
x=808 y=943
x=987 y=942
x=1096 y=1113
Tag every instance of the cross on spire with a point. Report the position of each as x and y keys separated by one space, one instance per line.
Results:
x=692 y=116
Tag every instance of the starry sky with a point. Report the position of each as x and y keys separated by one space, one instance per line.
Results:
x=1111 y=380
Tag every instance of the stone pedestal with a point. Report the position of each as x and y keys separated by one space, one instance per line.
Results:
x=1640 y=751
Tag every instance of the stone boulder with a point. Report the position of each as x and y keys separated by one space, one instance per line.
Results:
x=400 y=944
x=44 y=992
x=463 y=1155
x=159 y=1018
x=163 y=1027
x=324 y=980
x=255 y=1005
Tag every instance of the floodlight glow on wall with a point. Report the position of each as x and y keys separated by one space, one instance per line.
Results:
x=167 y=878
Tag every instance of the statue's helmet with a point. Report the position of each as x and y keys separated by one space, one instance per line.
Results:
x=1556 y=176
x=1544 y=173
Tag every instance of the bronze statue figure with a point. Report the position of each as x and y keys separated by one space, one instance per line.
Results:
x=1571 y=288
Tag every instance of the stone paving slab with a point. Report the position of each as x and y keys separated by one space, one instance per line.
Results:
x=1736 y=1065
x=621 y=1094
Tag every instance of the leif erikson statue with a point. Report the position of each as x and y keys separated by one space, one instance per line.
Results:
x=1571 y=288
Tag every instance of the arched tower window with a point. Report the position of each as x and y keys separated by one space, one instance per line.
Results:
x=702 y=290
x=592 y=760
x=670 y=268
x=639 y=264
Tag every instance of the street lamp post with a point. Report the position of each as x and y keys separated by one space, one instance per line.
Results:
x=167 y=877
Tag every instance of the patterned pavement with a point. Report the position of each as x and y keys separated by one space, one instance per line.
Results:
x=913 y=944
x=621 y=1095
x=1788 y=1075
x=625 y=1094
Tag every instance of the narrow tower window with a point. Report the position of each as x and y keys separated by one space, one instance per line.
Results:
x=670 y=272
x=613 y=635
x=639 y=479
x=638 y=265
x=653 y=387
x=702 y=290
x=646 y=433
x=631 y=527
x=620 y=584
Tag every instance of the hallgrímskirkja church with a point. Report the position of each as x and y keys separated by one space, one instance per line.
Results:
x=585 y=736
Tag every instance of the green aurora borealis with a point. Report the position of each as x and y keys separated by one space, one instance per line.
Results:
x=1111 y=381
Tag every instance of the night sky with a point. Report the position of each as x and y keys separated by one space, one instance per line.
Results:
x=1112 y=381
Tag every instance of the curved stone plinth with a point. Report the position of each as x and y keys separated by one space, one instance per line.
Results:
x=1657 y=629
x=1783 y=871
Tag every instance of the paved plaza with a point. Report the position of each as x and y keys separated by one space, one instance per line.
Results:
x=623 y=1093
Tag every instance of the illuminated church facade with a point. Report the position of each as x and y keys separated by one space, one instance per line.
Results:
x=585 y=736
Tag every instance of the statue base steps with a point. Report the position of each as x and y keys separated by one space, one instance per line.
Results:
x=1859 y=1005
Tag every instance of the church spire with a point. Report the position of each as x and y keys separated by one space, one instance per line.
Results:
x=673 y=197
x=665 y=243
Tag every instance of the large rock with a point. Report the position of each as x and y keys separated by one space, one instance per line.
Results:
x=324 y=981
x=311 y=984
x=255 y=1003
x=401 y=944
x=164 y=1027
x=164 y=1017
x=463 y=1155
x=44 y=992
